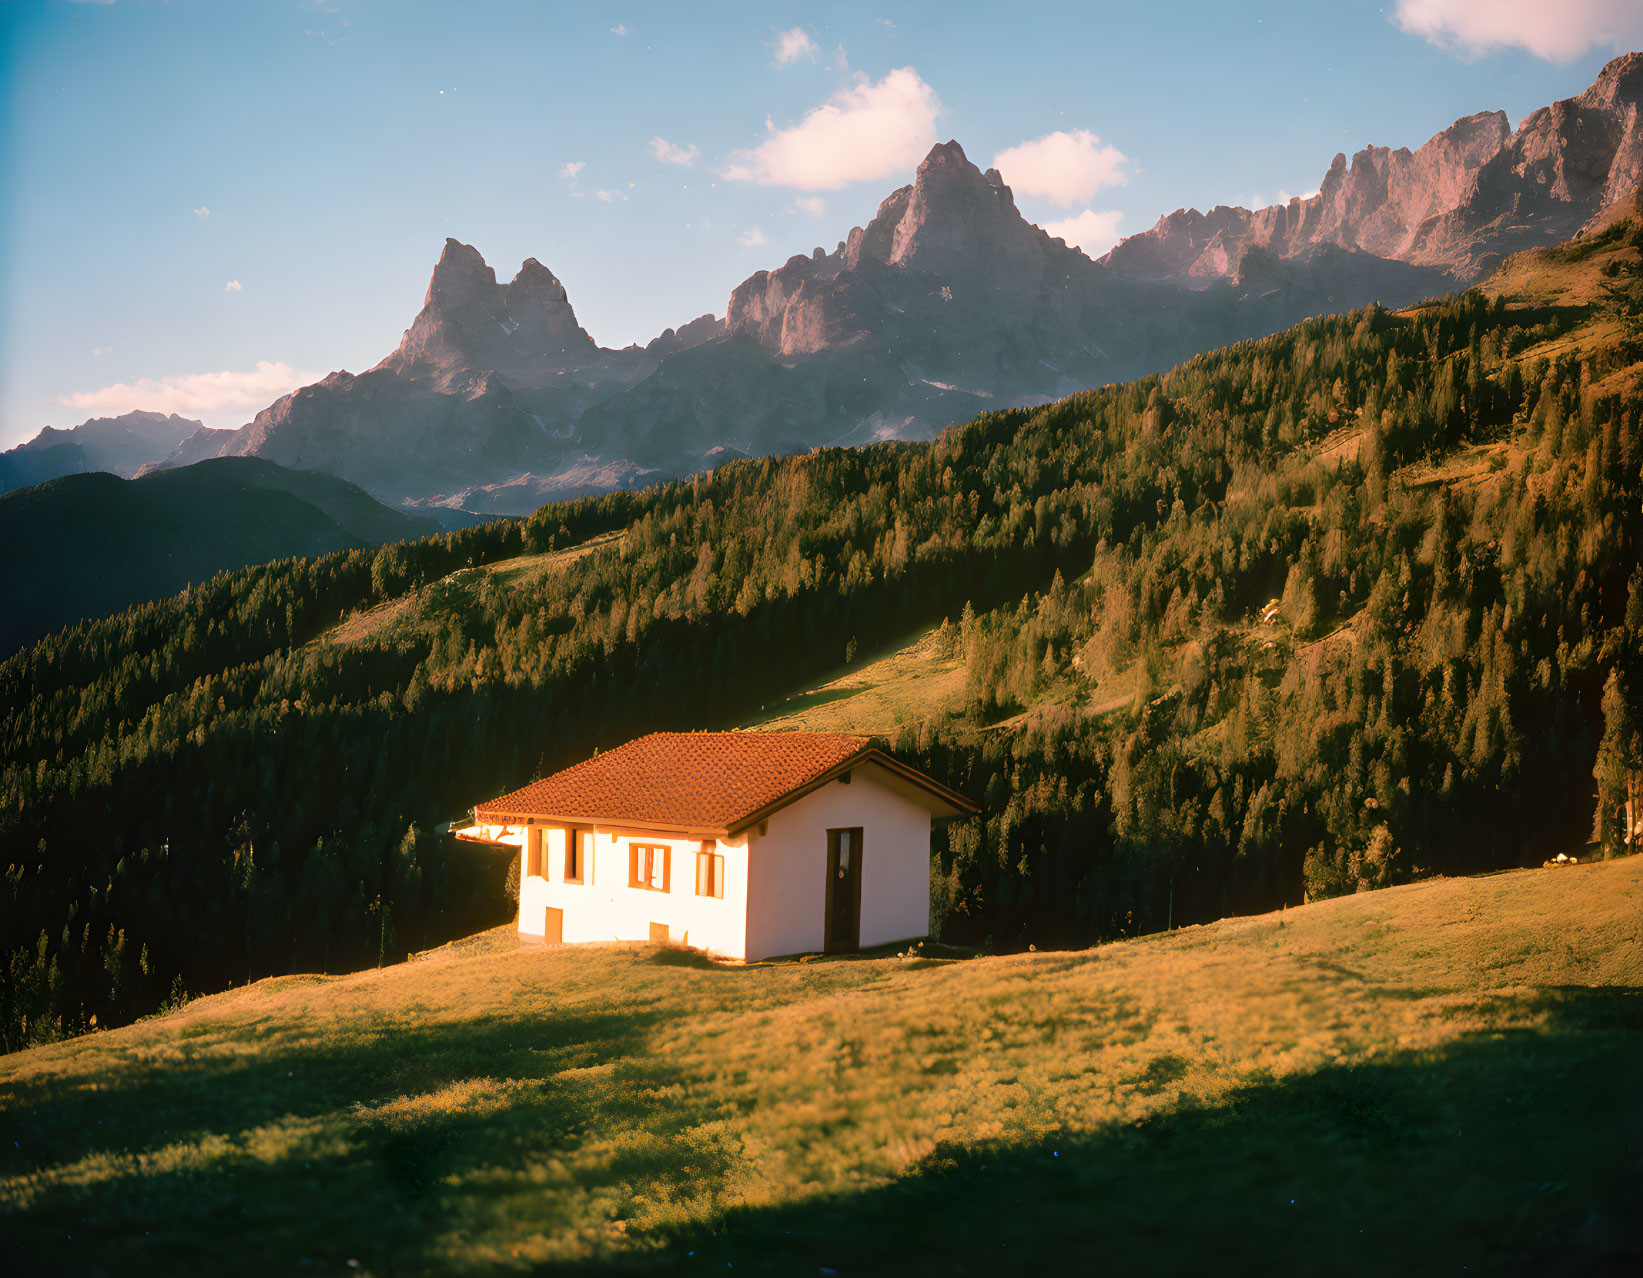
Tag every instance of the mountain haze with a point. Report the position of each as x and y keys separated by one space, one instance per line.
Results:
x=87 y=545
x=120 y=445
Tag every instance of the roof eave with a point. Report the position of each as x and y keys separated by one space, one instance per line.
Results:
x=599 y=825
x=868 y=754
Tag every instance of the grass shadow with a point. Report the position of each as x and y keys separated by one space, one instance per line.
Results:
x=64 y=1118
x=1512 y=1152
x=409 y=1149
x=312 y=1157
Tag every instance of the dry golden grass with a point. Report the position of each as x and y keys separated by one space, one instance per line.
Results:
x=409 y=612
x=494 y=1107
x=907 y=683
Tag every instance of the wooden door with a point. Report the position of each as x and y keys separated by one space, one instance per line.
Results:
x=553 y=927
x=843 y=925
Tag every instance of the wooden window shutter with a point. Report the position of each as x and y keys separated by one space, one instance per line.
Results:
x=634 y=880
x=667 y=858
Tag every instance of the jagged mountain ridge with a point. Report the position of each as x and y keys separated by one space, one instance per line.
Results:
x=121 y=445
x=946 y=304
x=1470 y=195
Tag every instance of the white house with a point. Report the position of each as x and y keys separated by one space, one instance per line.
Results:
x=743 y=844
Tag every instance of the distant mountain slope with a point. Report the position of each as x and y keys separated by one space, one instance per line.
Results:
x=120 y=445
x=208 y=441
x=84 y=546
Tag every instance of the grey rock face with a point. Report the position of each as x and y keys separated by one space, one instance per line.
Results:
x=1471 y=194
x=947 y=303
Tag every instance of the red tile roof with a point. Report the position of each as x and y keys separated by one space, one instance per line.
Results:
x=694 y=781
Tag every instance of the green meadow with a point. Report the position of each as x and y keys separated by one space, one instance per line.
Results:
x=1440 y=1077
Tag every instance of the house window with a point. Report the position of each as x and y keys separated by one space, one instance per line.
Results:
x=578 y=846
x=648 y=866
x=533 y=852
x=710 y=872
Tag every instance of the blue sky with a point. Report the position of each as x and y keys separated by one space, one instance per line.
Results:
x=203 y=200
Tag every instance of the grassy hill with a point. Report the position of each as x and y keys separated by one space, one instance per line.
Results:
x=87 y=545
x=1439 y=1077
x=1341 y=607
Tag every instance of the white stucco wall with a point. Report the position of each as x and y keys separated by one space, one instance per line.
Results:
x=787 y=885
x=775 y=883
x=603 y=907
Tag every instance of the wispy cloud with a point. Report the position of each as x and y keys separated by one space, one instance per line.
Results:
x=1557 y=32
x=811 y=204
x=1090 y=232
x=1062 y=167
x=195 y=393
x=668 y=153
x=753 y=237
x=793 y=45
x=102 y=350
x=202 y=212
x=233 y=286
x=1259 y=200
x=862 y=133
x=570 y=170
x=620 y=29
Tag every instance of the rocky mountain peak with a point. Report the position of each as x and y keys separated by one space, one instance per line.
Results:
x=1470 y=193
x=954 y=213
x=524 y=329
x=946 y=264
x=460 y=277
x=1618 y=84
x=538 y=280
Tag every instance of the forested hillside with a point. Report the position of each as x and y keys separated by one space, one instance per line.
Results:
x=1445 y=504
x=92 y=544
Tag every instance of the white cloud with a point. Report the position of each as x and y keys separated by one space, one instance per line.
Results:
x=102 y=350
x=620 y=29
x=1260 y=200
x=570 y=170
x=862 y=133
x=811 y=204
x=233 y=286
x=1064 y=168
x=753 y=237
x=195 y=393
x=793 y=45
x=668 y=153
x=1090 y=232
x=202 y=212
x=1558 y=32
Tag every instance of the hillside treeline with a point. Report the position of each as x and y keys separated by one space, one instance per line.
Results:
x=201 y=791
